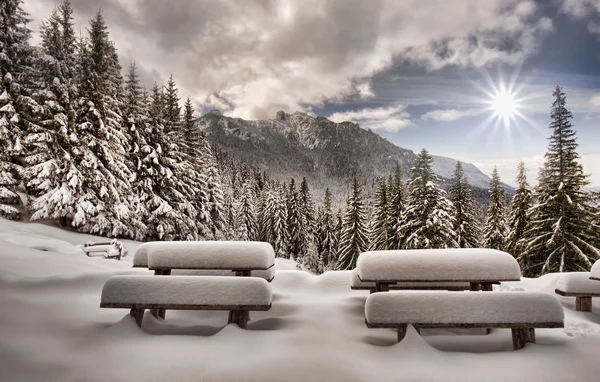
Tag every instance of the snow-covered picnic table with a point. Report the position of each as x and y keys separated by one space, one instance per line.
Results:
x=477 y=266
x=239 y=257
x=595 y=272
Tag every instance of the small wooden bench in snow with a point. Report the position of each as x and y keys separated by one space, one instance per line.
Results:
x=356 y=284
x=235 y=258
x=522 y=312
x=477 y=266
x=237 y=295
x=578 y=285
x=111 y=250
x=595 y=273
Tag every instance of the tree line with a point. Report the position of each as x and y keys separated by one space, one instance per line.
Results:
x=84 y=145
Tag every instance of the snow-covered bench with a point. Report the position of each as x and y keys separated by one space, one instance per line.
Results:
x=522 y=312
x=219 y=258
x=357 y=284
x=236 y=294
x=579 y=285
x=111 y=250
x=477 y=266
x=595 y=272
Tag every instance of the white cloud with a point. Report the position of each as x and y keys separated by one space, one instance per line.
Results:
x=507 y=168
x=388 y=119
x=260 y=56
x=580 y=8
x=445 y=115
x=595 y=100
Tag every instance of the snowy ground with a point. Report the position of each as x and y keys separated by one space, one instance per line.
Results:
x=51 y=329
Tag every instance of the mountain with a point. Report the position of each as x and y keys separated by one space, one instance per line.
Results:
x=325 y=152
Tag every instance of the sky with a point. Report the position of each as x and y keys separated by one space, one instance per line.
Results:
x=421 y=73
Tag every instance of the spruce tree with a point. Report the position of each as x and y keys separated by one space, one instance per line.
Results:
x=518 y=216
x=428 y=219
x=306 y=211
x=246 y=225
x=326 y=237
x=274 y=220
x=294 y=222
x=561 y=234
x=466 y=226
x=397 y=201
x=19 y=112
x=495 y=231
x=380 y=219
x=354 y=235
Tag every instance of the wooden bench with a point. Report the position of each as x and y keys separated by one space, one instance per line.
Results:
x=357 y=284
x=237 y=295
x=578 y=285
x=522 y=312
x=111 y=250
x=479 y=267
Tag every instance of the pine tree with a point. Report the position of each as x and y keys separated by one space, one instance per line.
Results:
x=172 y=110
x=306 y=211
x=466 y=226
x=53 y=174
x=561 y=235
x=354 y=235
x=428 y=219
x=102 y=206
x=397 y=200
x=380 y=219
x=519 y=213
x=495 y=230
x=326 y=237
x=294 y=222
x=19 y=112
x=246 y=225
x=274 y=220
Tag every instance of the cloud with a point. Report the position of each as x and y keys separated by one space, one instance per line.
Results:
x=388 y=119
x=259 y=56
x=580 y=8
x=445 y=115
x=595 y=100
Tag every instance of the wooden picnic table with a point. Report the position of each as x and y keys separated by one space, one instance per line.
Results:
x=481 y=268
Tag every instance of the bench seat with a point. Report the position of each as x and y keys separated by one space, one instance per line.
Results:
x=235 y=294
x=520 y=311
x=580 y=286
x=357 y=284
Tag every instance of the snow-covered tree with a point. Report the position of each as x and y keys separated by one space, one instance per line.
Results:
x=561 y=234
x=354 y=235
x=245 y=224
x=306 y=211
x=495 y=230
x=428 y=220
x=326 y=238
x=397 y=205
x=19 y=112
x=294 y=223
x=518 y=216
x=380 y=219
x=101 y=207
x=466 y=226
x=274 y=219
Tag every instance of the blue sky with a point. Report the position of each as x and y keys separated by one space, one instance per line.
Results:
x=419 y=72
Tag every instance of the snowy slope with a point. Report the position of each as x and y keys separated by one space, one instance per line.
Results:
x=53 y=330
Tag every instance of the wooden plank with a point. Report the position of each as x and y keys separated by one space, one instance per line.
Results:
x=583 y=303
x=496 y=325
x=595 y=278
x=493 y=281
x=521 y=336
x=401 y=332
x=474 y=286
x=215 y=268
x=138 y=314
x=569 y=294
x=487 y=287
x=184 y=307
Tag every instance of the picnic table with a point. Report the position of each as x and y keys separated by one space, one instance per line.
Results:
x=480 y=267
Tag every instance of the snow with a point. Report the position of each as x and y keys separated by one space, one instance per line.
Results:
x=268 y=274
x=209 y=255
x=442 y=307
x=187 y=290
x=456 y=264
x=578 y=282
x=595 y=272
x=54 y=330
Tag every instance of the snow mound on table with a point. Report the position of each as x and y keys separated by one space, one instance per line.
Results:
x=455 y=264
x=595 y=272
x=578 y=282
x=207 y=254
x=267 y=274
x=186 y=290
x=429 y=307
x=356 y=282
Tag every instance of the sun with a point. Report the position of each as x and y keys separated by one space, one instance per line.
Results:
x=504 y=104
